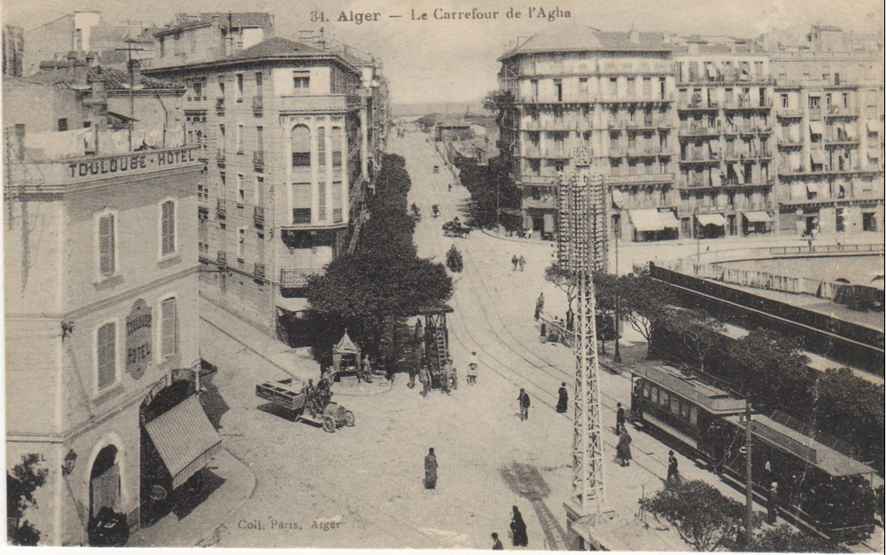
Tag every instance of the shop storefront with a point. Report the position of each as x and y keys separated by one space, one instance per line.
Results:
x=651 y=224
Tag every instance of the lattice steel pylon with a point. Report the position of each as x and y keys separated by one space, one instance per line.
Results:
x=583 y=250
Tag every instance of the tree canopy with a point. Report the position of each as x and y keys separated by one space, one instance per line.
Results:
x=21 y=483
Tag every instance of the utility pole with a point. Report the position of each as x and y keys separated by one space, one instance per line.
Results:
x=617 y=356
x=129 y=64
x=749 y=482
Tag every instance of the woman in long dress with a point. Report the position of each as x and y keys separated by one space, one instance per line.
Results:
x=563 y=399
x=518 y=529
x=430 y=469
x=623 y=448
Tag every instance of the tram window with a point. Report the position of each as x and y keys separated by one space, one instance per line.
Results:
x=663 y=398
x=646 y=392
x=675 y=406
x=693 y=415
x=655 y=395
x=684 y=410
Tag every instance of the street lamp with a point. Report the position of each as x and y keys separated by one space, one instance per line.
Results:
x=617 y=356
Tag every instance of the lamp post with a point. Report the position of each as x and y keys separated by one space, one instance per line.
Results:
x=617 y=356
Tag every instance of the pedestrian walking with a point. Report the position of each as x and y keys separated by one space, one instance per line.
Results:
x=431 y=469
x=518 y=529
x=619 y=419
x=514 y=262
x=496 y=543
x=521 y=262
x=673 y=468
x=623 y=448
x=562 y=398
x=424 y=376
x=539 y=305
x=772 y=503
x=523 y=399
x=473 y=368
x=543 y=328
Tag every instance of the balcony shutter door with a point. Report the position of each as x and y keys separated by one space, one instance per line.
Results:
x=106 y=244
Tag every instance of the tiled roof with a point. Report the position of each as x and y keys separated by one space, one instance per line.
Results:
x=275 y=46
x=580 y=38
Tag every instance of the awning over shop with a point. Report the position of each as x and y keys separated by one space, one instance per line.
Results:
x=668 y=220
x=817 y=156
x=816 y=128
x=645 y=219
x=757 y=217
x=850 y=131
x=872 y=126
x=185 y=439
x=712 y=71
x=711 y=219
x=549 y=222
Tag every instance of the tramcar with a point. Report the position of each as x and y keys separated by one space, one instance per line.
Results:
x=817 y=484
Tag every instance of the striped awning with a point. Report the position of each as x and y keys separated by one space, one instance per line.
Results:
x=817 y=156
x=711 y=219
x=872 y=126
x=816 y=128
x=668 y=220
x=645 y=219
x=184 y=438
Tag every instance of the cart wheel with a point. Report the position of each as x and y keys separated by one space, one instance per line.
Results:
x=350 y=421
x=329 y=424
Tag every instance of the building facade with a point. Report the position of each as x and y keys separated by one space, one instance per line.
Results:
x=13 y=51
x=725 y=130
x=288 y=133
x=102 y=318
x=699 y=137
x=610 y=92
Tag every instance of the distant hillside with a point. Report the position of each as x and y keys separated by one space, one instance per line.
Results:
x=451 y=108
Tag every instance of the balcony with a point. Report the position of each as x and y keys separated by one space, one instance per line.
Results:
x=789 y=113
x=537 y=180
x=640 y=179
x=548 y=202
x=318 y=104
x=221 y=259
x=697 y=105
x=220 y=157
x=294 y=278
x=640 y=152
x=790 y=143
x=259 y=272
x=843 y=140
x=839 y=112
x=806 y=172
x=645 y=125
x=220 y=209
x=703 y=131
x=258 y=216
x=220 y=105
x=747 y=156
x=634 y=100
x=747 y=104
x=258 y=106
x=258 y=161
x=700 y=159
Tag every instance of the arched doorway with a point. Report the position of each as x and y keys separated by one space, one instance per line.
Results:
x=107 y=522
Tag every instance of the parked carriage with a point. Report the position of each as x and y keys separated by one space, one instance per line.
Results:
x=305 y=405
x=454 y=228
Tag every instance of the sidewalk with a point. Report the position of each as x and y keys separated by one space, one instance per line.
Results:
x=235 y=483
x=278 y=356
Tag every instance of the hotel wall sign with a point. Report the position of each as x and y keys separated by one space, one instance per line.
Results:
x=138 y=339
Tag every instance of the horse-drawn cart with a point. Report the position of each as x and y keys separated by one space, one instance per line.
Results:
x=307 y=405
x=454 y=228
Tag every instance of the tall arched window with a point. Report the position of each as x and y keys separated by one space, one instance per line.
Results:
x=301 y=146
x=336 y=147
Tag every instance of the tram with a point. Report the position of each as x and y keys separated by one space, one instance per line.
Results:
x=818 y=485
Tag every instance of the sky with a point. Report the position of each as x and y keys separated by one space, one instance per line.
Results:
x=455 y=61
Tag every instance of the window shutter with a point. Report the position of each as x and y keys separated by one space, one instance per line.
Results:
x=168 y=227
x=169 y=325
x=106 y=244
x=107 y=355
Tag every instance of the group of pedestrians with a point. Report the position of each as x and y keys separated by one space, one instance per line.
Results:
x=518 y=262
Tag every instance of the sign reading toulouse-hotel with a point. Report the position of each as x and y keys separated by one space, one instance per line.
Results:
x=136 y=162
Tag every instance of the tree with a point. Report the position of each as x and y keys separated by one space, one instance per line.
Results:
x=646 y=304
x=21 y=484
x=704 y=518
x=784 y=539
x=698 y=332
x=454 y=260
x=564 y=280
x=770 y=367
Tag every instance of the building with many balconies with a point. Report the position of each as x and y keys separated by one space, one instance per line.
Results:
x=725 y=128
x=289 y=142
x=612 y=92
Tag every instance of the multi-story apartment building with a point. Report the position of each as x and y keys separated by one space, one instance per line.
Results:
x=100 y=268
x=768 y=140
x=829 y=116
x=725 y=130
x=206 y=37
x=287 y=140
x=612 y=92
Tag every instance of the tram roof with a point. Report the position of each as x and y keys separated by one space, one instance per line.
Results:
x=804 y=447
x=708 y=397
x=434 y=309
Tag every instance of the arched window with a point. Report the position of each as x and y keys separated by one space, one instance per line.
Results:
x=336 y=147
x=301 y=146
